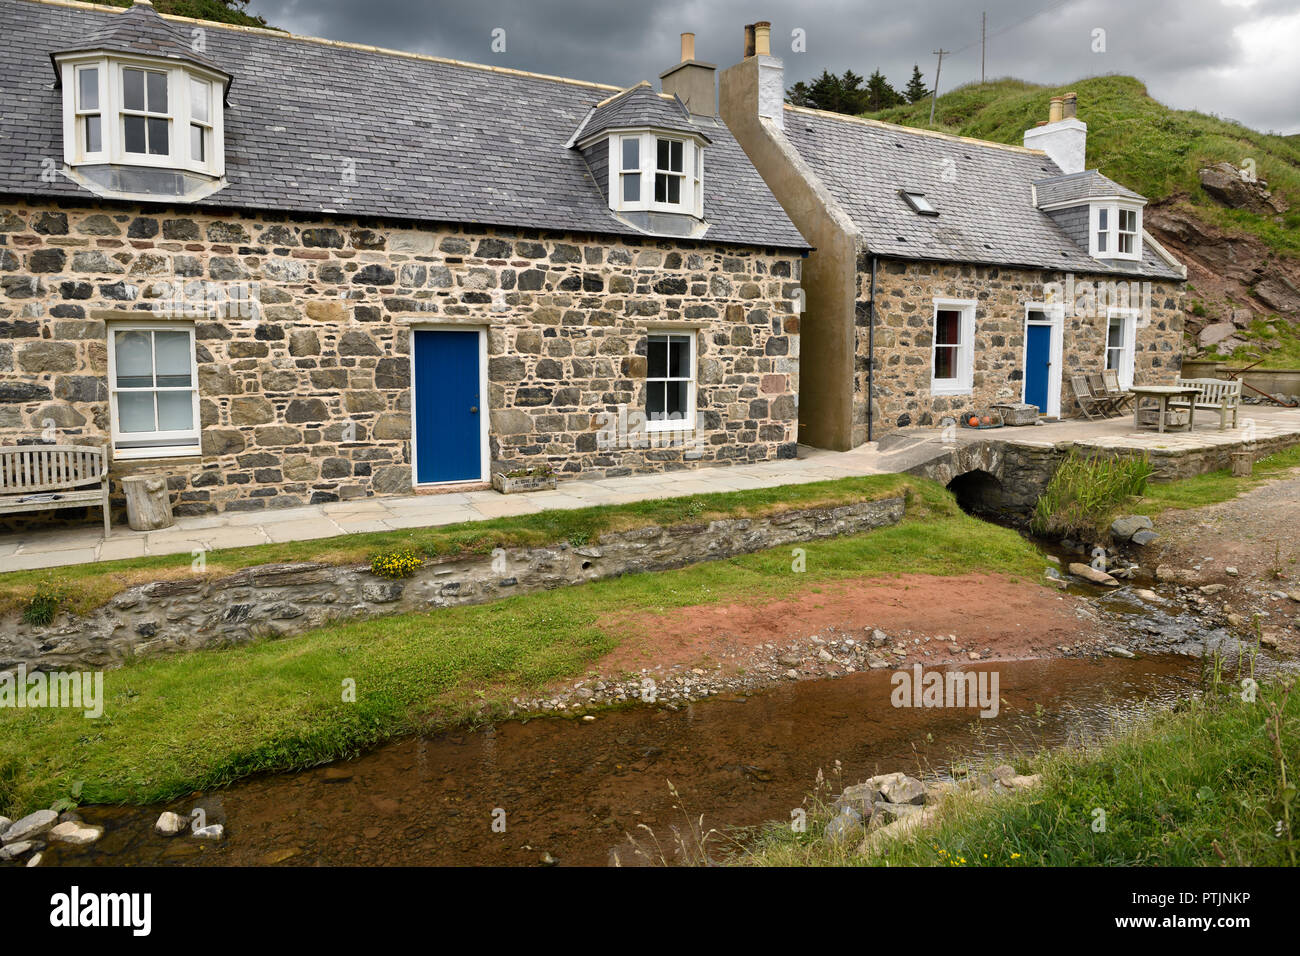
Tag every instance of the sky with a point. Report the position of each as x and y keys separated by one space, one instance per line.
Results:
x=1234 y=58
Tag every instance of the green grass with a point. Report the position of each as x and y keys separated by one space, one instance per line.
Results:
x=1085 y=492
x=1215 y=486
x=84 y=587
x=1202 y=786
x=203 y=719
x=1134 y=140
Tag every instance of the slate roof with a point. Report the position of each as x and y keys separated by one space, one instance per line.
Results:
x=982 y=191
x=1072 y=187
x=429 y=140
x=640 y=106
x=142 y=32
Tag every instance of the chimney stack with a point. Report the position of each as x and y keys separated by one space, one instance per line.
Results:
x=1064 y=138
x=693 y=82
x=763 y=38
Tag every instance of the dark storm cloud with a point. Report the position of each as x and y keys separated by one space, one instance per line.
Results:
x=1231 y=57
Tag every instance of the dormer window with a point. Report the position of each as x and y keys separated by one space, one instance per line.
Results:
x=135 y=113
x=656 y=172
x=1115 y=231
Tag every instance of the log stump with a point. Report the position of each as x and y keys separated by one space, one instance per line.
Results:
x=148 y=505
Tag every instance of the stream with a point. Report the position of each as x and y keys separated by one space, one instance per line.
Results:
x=571 y=791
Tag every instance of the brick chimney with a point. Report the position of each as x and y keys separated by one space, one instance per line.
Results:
x=1064 y=137
x=694 y=82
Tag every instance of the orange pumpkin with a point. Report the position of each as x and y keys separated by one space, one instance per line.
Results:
x=974 y=422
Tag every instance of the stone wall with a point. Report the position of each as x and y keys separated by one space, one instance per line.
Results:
x=905 y=294
x=275 y=600
x=303 y=339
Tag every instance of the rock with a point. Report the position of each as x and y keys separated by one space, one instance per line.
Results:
x=14 y=850
x=1019 y=782
x=896 y=830
x=1143 y=538
x=1147 y=595
x=884 y=810
x=213 y=831
x=170 y=824
x=1089 y=573
x=1294 y=595
x=1183 y=576
x=1212 y=589
x=32 y=825
x=900 y=788
x=1216 y=334
x=843 y=827
x=1003 y=773
x=1116 y=651
x=1227 y=184
x=36 y=859
x=77 y=834
x=1270 y=638
x=1231 y=572
x=4 y=824
x=1124 y=528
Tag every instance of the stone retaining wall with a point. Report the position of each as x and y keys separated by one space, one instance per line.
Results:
x=280 y=599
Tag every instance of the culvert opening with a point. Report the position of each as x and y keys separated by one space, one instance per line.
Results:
x=978 y=493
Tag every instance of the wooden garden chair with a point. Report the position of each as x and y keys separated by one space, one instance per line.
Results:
x=1123 y=399
x=1093 y=407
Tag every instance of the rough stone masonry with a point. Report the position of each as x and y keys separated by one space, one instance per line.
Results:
x=303 y=343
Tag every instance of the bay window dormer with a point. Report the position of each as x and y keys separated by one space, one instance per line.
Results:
x=1115 y=230
x=646 y=155
x=142 y=112
x=658 y=172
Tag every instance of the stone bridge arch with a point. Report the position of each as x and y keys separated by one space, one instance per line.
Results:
x=993 y=476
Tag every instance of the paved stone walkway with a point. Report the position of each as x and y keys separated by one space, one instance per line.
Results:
x=81 y=545
x=903 y=449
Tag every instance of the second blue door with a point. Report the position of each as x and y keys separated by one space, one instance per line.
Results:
x=1038 y=365
x=448 y=406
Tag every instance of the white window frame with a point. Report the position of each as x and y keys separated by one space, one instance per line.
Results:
x=1128 y=347
x=183 y=443
x=964 y=383
x=112 y=108
x=1111 y=234
x=687 y=421
x=691 y=175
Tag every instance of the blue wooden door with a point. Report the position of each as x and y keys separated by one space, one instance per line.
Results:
x=448 y=406
x=1038 y=365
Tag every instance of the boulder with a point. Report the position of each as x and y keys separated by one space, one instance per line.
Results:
x=32 y=825
x=14 y=850
x=1143 y=537
x=1122 y=529
x=169 y=824
x=1089 y=573
x=75 y=833
x=843 y=827
x=213 y=831
x=900 y=788
x=1216 y=333
x=1231 y=186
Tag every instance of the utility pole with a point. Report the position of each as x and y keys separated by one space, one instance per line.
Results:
x=934 y=94
x=984 y=20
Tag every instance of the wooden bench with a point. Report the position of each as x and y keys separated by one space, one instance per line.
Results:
x=41 y=477
x=1213 y=394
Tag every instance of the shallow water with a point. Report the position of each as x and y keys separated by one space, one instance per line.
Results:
x=572 y=790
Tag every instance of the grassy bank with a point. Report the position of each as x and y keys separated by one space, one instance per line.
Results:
x=1203 y=786
x=1215 y=486
x=203 y=719
x=83 y=587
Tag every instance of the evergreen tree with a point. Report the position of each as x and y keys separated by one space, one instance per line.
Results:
x=880 y=94
x=836 y=94
x=916 y=88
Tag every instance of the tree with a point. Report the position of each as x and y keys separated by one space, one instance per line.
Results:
x=880 y=95
x=916 y=88
x=837 y=94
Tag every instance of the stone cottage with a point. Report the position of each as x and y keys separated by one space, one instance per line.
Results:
x=282 y=270
x=950 y=273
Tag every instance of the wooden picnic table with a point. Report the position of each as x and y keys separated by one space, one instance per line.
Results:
x=1162 y=394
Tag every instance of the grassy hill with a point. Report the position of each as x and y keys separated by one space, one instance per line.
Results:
x=1134 y=140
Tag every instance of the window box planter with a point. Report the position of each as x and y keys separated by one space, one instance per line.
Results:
x=509 y=483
